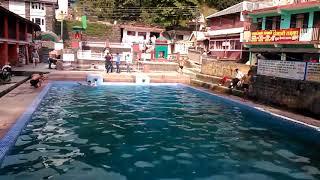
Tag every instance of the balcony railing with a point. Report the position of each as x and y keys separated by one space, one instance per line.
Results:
x=282 y=36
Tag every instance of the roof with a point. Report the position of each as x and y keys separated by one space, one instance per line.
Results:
x=295 y=6
x=243 y=6
x=199 y=35
x=142 y=27
x=6 y=11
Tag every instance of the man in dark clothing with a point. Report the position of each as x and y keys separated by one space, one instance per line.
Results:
x=108 y=63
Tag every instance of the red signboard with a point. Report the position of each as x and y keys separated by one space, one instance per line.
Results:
x=276 y=35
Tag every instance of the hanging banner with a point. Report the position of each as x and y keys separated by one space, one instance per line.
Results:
x=276 y=35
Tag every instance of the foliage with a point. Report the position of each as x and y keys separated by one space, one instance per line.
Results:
x=222 y=4
x=165 y=12
x=94 y=29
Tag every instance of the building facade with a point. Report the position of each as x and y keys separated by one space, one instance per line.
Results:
x=41 y=12
x=287 y=31
x=16 y=35
x=226 y=29
x=139 y=34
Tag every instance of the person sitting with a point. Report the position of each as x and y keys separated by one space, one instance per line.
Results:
x=36 y=80
x=238 y=76
x=246 y=81
x=6 y=73
x=223 y=81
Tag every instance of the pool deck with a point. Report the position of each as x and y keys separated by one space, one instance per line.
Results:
x=16 y=102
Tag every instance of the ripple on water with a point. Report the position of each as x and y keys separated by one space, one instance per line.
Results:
x=143 y=164
x=99 y=150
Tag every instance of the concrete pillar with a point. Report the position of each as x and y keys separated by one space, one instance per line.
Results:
x=285 y=21
x=5 y=28
x=283 y=56
x=17 y=30
x=311 y=19
x=264 y=23
x=4 y=54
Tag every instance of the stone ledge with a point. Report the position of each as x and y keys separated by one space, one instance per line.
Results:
x=217 y=88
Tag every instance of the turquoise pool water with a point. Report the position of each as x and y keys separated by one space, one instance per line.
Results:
x=154 y=132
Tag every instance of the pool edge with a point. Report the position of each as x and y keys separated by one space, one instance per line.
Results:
x=9 y=139
x=260 y=109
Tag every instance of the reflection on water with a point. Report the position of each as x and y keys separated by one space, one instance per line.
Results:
x=157 y=132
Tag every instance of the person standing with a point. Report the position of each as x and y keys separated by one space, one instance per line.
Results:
x=128 y=63
x=118 y=61
x=35 y=58
x=108 y=63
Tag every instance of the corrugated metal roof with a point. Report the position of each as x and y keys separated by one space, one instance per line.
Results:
x=243 y=6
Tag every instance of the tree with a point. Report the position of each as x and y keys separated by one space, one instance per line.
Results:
x=221 y=4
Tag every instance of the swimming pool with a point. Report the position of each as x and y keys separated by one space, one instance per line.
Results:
x=157 y=132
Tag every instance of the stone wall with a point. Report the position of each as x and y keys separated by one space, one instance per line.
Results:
x=27 y=10
x=222 y=68
x=50 y=17
x=302 y=96
x=194 y=56
x=160 y=67
x=4 y=4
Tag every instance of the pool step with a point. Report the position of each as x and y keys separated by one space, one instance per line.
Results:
x=216 y=88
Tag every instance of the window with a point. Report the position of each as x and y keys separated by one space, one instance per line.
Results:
x=218 y=45
x=276 y=22
x=32 y=19
x=38 y=21
x=299 y=20
x=42 y=21
x=269 y=22
x=37 y=6
x=259 y=23
x=143 y=34
x=179 y=37
x=131 y=33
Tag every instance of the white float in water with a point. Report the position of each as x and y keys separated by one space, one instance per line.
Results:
x=95 y=77
x=142 y=79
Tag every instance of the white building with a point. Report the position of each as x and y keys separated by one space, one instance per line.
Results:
x=138 y=34
x=41 y=12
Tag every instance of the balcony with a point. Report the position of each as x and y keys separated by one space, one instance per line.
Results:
x=282 y=36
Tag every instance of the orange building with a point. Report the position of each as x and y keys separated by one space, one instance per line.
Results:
x=16 y=35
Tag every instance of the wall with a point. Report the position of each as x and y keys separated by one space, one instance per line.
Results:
x=5 y=4
x=131 y=39
x=18 y=8
x=50 y=17
x=221 y=68
x=195 y=56
x=226 y=22
x=302 y=96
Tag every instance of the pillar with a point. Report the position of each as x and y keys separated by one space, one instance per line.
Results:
x=5 y=58
x=250 y=58
x=311 y=19
x=283 y=56
x=264 y=23
x=27 y=46
x=285 y=21
x=17 y=30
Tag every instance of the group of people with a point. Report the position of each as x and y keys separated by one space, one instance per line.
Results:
x=240 y=80
x=117 y=58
